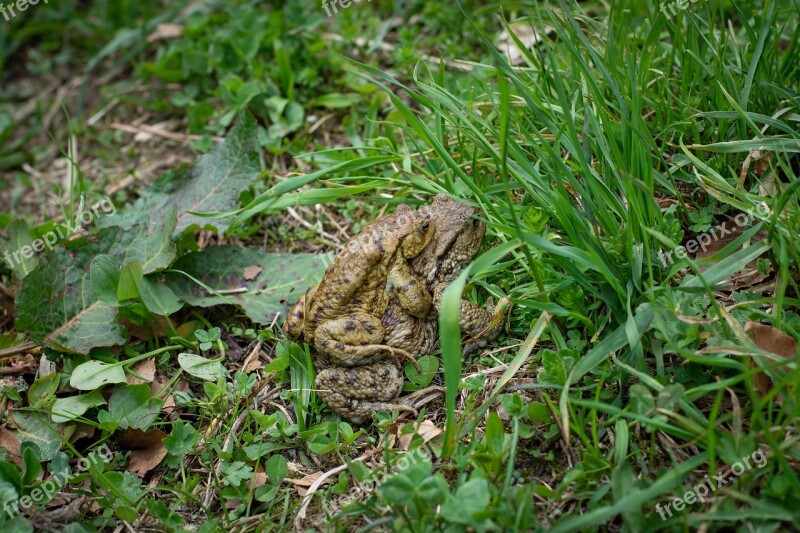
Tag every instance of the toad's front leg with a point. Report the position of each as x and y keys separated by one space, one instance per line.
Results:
x=296 y=318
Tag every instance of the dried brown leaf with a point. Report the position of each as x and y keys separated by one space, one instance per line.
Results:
x=747 y=276
x=147 y=449
x=252 y=272
x=427 y=430
x=305 y=481
x=770 y=340
x=147 y=369
x=11 y=443
x=165 y=31
x=260 y=478
x=82 y=431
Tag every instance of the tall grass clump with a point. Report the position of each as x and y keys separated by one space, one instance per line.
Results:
x=613 y=142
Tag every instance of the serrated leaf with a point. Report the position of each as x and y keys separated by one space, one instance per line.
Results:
x=200 y=367
x=57 y=304
x=213 y=185
x=233 y=474
x=283 y=278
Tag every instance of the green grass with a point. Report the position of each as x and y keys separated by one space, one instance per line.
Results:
x=620 y=136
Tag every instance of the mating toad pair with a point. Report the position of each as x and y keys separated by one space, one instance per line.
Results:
x=377 y=305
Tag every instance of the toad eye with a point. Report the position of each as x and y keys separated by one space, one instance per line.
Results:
x=475 y=222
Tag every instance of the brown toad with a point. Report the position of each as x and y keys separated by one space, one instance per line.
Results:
x=356 y=392
x=459 y=235
x=340 y=317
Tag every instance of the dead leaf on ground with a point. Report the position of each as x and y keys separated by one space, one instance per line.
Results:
x=158 y=384
x=252 y=272
x=11 y=443
x=260 y=478
x=19 y=364
x=46 y=367
x=770 y=340
x=526 y=35
x=726 y=233
x=305 y=482
x=82 y=431
x=147 y=449
x=146 y=369
x=253 y=360
x=759 y=161
x=165 y=31
x=427 y=430
x=158 y=326
x=253 y=365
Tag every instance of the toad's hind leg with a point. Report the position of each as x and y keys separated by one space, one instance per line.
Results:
x=356 y=340
x=355 y=393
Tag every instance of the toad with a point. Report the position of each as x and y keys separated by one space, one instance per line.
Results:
x=355 y=391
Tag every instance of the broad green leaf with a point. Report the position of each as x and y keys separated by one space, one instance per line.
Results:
x=32 y=464
x=94 y=374
x=213 y=185
x=19 y=241
x=281 y=280
x=8 y=490
x=57 y=304
x=256 y=451
x=419 y=380
x=158 y=298
x=43 y=389
x=104 y=275
x=129 y=281
x=72 y=407
x=470 y=498
x=276 y=469
x=200 y=367
x=132 y=406
x=37 y=429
